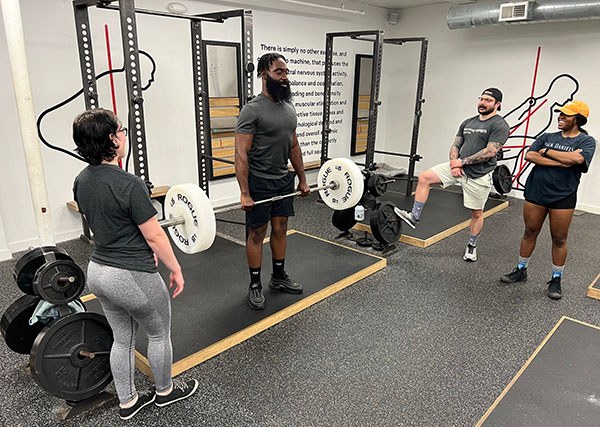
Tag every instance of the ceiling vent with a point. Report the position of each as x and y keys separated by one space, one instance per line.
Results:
x=487 y=12
x=519 y=11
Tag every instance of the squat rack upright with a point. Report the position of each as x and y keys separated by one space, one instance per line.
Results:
x=127 y=12
x=374 y=102
x=375 y=83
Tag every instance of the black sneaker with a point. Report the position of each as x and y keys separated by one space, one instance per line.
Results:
x=256 y=299
x=407 y=217
x=517 y=275
x=554 y=289
x=181 y=390
x=144 y=398
x=285 y=285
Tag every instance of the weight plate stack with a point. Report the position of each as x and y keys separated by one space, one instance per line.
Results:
x=59 y=282
x=33 y=259
x=70 y=358
x=16 y=330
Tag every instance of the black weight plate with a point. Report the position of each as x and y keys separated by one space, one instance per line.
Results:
x=343 y=220
x=16 y=330
x=59 y=282
x=377 y=185
x=368 y=201
x=364 y=242
x=29 y=263
x=57 y=365
x=502 y=179
x=385 y=225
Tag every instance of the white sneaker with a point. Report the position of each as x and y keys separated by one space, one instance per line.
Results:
x=470 y=253
x=407 y=217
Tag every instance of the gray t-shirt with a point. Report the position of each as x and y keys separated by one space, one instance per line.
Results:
x=115 y=202
x=273 y=125
x=476 y=135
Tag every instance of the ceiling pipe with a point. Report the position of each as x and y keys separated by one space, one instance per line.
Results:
x=488 y=13
x=341 y=8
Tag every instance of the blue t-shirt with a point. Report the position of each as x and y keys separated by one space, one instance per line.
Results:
x=549 y=184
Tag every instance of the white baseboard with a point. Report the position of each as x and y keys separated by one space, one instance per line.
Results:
x=588 y=208
x=5 y=254
x=23 y=245
x=33 y=243
x=580 y=206
x=68 y=235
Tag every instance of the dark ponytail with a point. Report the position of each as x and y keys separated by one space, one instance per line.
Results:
x=581 y=120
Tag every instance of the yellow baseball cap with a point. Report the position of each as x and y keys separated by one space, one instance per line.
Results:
x=575 y=107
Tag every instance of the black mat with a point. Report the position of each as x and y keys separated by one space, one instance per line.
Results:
x=443 y=214
x=443 y=210
x=560 y=384
x=213 y=305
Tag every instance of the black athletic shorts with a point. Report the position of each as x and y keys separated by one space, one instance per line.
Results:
x=261 y=189
x=568 y=202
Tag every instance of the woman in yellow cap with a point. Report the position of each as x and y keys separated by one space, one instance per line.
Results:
x=551 y=189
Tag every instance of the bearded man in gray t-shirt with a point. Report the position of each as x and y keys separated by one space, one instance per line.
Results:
x=265 y=139
x=472 y=161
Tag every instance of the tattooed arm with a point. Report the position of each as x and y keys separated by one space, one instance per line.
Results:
x=455 y=147
x=455 y=162
x=483 y=155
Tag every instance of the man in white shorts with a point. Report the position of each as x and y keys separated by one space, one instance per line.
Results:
x=472 y=161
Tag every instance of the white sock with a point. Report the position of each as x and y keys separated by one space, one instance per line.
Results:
x=166 y=392
x=130 y=403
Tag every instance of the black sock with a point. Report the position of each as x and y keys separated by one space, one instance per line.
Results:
x=279 y=268
x=255 y=276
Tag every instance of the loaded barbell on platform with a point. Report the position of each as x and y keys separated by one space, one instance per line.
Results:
x=186 y=194
x=180 y=220
x=190 y=218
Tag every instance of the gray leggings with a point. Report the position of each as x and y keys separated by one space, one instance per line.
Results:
x=128 y=299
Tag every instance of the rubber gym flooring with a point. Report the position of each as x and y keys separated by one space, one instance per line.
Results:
x=215 y=298
x=428 y=341
x=443 y=215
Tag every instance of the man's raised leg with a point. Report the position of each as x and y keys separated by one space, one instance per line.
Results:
x=426 y=180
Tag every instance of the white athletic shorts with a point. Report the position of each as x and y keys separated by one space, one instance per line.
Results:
x=475 y=190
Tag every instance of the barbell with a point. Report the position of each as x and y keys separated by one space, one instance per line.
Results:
x=190 y=217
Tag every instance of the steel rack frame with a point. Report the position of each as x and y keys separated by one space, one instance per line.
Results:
x=378 y=42
x=128 y=12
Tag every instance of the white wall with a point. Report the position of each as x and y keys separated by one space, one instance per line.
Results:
x=461 y=63
x=169 y=107
x=5 y=253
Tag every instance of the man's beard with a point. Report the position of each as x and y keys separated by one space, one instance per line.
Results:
x=277 y=91
x=485 y=111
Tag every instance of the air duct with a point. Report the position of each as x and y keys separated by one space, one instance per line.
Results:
x=488 y=13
